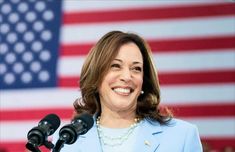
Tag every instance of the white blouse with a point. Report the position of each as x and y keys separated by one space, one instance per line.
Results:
x=121 y=144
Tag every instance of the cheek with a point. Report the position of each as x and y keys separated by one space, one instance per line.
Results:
x=139 y=82
x=110 y=79
x=107 y=81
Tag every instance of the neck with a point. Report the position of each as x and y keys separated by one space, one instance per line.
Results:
x=117 y=119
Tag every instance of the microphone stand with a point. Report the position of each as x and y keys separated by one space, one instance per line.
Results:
x=60 y=143
x=33 y=146
x=34 y=149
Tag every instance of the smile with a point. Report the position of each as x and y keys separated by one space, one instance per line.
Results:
x=123 y=90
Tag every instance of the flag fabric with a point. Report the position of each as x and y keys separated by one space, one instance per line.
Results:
x=43 y=44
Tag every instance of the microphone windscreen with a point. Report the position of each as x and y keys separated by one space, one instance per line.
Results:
x=52 y=119
x=87 y=119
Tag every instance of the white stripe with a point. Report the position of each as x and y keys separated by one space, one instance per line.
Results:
x=154 y=29
x=195 y=61
x=215 y=127
x=70 y=65
x=209 y=127
x=38 y=98
x=83 y=6
x=198 y=94
x=166 y=62
x=49 y=98
x=18 y=130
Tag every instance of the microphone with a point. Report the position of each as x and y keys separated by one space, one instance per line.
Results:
x=69 y=133
x=37 y=136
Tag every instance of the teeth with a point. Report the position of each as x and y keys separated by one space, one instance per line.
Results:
x=122 y=90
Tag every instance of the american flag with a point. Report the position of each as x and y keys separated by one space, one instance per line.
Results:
x=43 y=44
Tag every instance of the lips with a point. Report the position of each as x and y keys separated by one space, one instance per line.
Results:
x=123 y=91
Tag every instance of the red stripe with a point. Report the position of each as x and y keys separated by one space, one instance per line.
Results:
x=35 y=114
x=203 y=110
x=75 y=49
x=132 y=14
x=188 y=44
x=217 y=143
x=195 y=77
x=69 y=82
x=184 y=44
x=17 y=146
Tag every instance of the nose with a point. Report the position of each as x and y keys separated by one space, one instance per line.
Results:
x=126 y=75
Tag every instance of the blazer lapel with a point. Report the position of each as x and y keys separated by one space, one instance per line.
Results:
x=90 y=141
x=148 y=138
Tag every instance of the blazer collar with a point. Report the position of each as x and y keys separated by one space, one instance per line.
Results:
x=148 y=138
x=90 y=141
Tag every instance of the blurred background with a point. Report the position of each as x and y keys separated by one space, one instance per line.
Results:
x=43 y=44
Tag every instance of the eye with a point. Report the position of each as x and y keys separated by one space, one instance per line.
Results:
x=115 y=65
x=137 y=69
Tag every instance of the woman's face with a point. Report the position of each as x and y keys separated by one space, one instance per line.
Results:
x=122 y=84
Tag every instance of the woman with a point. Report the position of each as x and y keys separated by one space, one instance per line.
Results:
x=120 y=89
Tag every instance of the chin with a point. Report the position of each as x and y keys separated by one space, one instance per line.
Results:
x=124 y=106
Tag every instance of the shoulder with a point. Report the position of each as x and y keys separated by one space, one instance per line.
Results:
x=172 y=124
x=183 y=131
x=179 y=126
x=180 y=134
x=175 y=127
x=186 y=132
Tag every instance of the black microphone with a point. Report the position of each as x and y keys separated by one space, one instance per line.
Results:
x=37 y=136
x=69 y=133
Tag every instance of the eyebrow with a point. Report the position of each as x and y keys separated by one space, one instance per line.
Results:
x=135 y=62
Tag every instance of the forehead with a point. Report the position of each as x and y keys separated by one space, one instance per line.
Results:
x=129 y=51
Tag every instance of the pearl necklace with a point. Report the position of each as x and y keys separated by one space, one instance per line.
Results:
x=115 y=141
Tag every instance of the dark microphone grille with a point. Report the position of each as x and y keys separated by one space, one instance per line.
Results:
x=53 y=119
x=86 y=118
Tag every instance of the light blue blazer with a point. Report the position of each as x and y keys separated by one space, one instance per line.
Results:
x=178 y=136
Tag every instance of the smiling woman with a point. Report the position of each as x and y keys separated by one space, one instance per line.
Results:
x=122 y=83
x=120 y=88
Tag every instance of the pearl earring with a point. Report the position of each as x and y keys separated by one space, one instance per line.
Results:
x=142 y=92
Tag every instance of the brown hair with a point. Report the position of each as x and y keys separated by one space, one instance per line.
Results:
x=96 y=66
